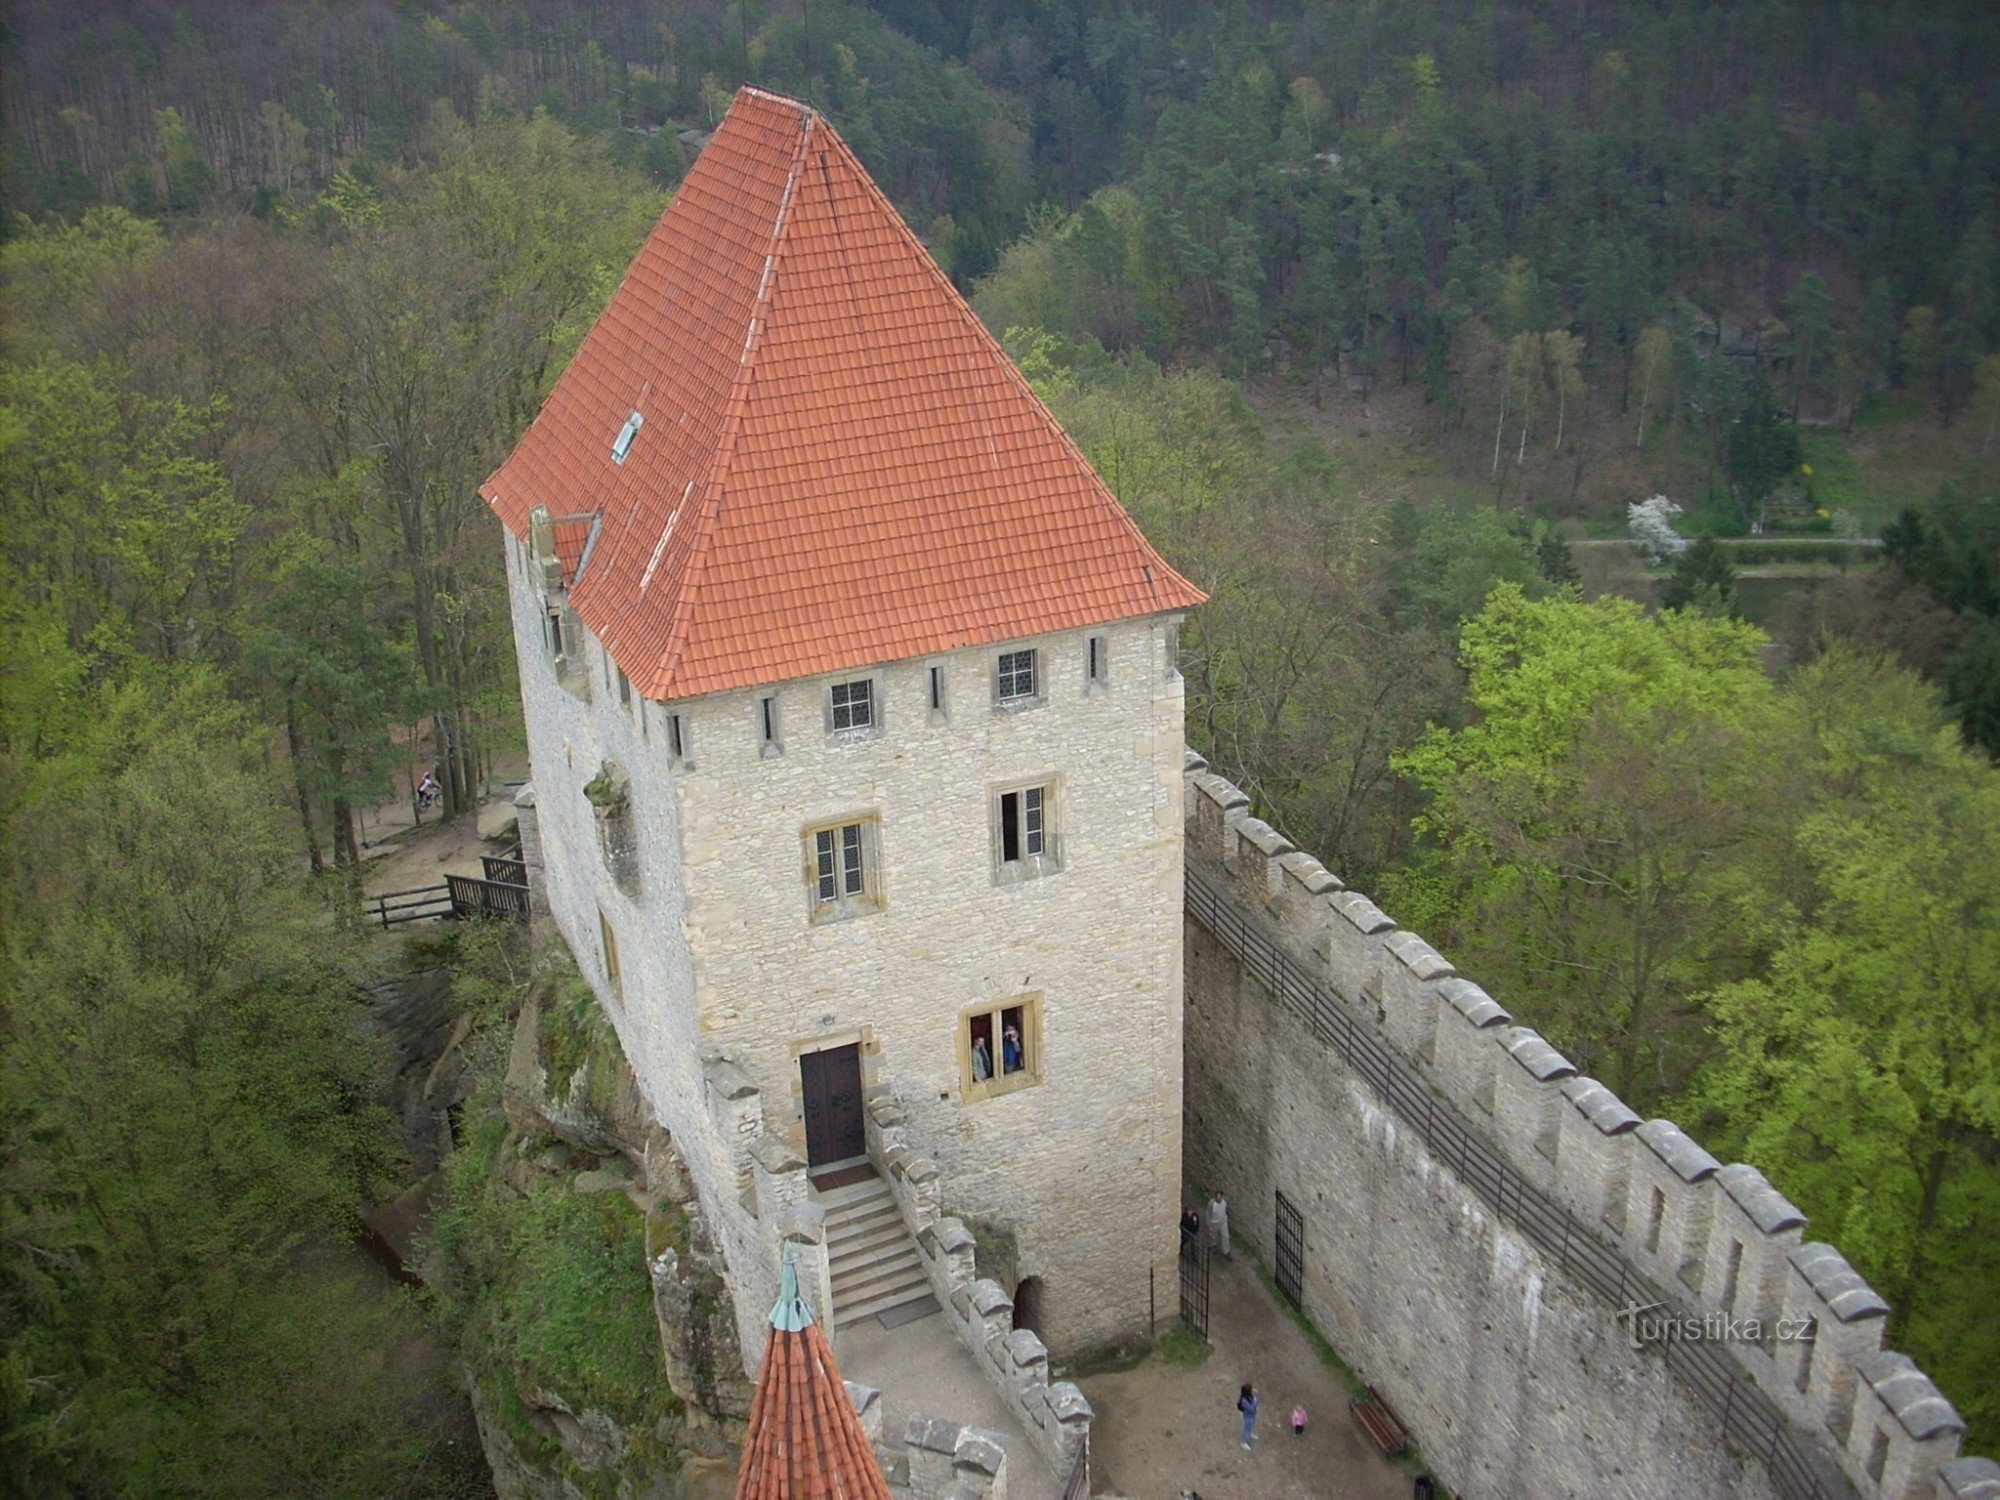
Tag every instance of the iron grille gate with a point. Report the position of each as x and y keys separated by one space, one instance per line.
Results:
x=1194 y=1286
x=1291 y=1251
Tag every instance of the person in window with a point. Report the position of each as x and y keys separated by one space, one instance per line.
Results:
x=982 y=1060
x=1010 y=1050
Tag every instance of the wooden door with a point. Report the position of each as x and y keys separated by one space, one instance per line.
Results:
x=832 y=1080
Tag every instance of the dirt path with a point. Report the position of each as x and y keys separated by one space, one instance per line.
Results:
x=401 y=854
x=1165 y=1428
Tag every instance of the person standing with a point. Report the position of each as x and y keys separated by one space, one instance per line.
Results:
x=1299 y=1420
x=1191 y=1234
x=1218 y=1222
x=1247 y=1404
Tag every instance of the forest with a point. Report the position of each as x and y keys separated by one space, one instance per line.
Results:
x=1583 y=418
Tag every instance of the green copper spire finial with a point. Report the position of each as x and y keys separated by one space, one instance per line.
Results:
x=790 y=1315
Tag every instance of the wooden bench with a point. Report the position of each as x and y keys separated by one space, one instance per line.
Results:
x=1381 y=1422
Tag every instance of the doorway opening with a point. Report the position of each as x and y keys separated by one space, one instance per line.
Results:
x=831 y=1081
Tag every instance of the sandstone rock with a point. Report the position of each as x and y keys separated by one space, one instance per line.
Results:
x=498 y=820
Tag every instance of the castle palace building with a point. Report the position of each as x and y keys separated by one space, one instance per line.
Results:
x=856 y=735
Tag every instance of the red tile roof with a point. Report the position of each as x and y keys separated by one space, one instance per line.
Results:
x=804 y=1442
x=571 y=535
x=837 y=466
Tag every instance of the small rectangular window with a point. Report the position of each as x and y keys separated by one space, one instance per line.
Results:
x=1001 y=1047
x=767 y=727
x=622 y=445
x=677 y=737
x=624 y=690
x=934 y=691
x=852 y=705
x=1096 y=664
x=1016 y=681
x=1025 y=838
x=841 y=869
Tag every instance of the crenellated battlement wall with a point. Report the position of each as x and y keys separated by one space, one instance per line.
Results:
x=1558 y=1296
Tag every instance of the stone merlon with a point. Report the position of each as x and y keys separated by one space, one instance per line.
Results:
x=1908 y=1392
x=1224 y=794
x=1683 y=1157
x=1764 y=1206
x=979 y=1450
x=1361 y=913
x=1310 y=873
x=1971 y=1479
x=1470 y=1001
x=1837 y=1284
x=1532 y=1052
x=1597 y=1104
x=1418 y=956
x=727 y=1079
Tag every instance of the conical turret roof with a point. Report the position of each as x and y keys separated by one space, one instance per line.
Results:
x=805 y=1442
x=802 y=450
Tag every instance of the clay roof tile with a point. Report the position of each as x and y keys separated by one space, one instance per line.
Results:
x=835 y=466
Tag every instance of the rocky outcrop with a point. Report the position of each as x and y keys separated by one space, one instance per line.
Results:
x=577 y=1124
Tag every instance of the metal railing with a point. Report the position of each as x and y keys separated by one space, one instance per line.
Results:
x=1749 y=1418
x=1078 y=1485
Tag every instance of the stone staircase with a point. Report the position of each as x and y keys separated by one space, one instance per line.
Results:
x=872 y=1258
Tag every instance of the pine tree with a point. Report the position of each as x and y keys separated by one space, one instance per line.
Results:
x=1703 y=579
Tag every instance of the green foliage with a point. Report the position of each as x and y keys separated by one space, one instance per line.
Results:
x=571 y=1021
x=187 y=1094
x=1180 y=1345
x=1702 y=579
x=1579 y=835
x=1862 y=1069
x=550 y=1287
x=1763 y=446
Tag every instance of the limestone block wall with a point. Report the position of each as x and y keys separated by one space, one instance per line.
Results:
x=724 y=975
x=1477 y=1214
x=577 y=727
x=1014 y=1360
x=1093 y=946
x=933 y=1459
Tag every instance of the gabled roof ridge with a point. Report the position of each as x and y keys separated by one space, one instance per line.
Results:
x=712 y=481
x=1010 y=371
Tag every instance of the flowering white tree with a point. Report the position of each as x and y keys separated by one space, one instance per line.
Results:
x=1652 y=525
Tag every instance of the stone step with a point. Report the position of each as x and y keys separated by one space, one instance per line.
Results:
x=890 y=1288
x=855 y=1257
x=862 y=1229
x=835 y=1199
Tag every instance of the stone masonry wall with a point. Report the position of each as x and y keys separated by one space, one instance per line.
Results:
x=725 y=978
x=1514 y=1376
x=1095 y=942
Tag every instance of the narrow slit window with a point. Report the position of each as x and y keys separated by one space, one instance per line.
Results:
x=676 y=737
x=1096 y=663
x=767 y=725
x=624 y=689
x=936 y=681
x=623 y=444
x=1173 y=645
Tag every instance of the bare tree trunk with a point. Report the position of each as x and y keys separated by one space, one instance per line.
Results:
x=347 y=853
x=299 y=789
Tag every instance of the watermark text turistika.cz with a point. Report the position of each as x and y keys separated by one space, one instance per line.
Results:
x=1651 y=1323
